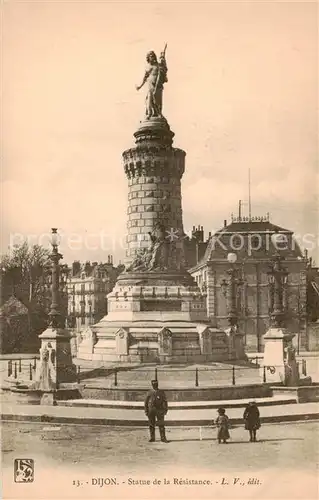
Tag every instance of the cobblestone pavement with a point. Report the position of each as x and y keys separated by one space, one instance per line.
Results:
x=77 y=455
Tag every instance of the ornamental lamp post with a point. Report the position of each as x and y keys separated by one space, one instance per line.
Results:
x=234 y=282
x=231 y=286
x=278 y=278
x=55 y=256
x=55 y=365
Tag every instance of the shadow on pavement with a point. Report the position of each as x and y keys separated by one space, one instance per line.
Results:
x=235 y=442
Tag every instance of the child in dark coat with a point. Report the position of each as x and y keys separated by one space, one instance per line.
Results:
x=222 y=422
x=252 y=420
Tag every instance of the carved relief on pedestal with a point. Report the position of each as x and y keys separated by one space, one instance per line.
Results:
x=122 y=341
x=165 y=341
x=88 y=339
x=205 y=341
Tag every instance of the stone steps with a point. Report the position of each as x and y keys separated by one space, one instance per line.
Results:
x=179 y=405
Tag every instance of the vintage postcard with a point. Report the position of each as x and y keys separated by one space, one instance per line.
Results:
x=159 y=249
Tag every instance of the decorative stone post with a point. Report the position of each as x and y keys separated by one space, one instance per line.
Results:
x=55 y=366
x=277 y=338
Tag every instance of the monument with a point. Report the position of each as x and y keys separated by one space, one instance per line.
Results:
x=156 y=312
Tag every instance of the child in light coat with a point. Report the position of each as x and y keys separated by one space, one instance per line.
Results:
x=222 y=422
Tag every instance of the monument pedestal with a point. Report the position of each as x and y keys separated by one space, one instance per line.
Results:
x=277 y=340
x=155 y=317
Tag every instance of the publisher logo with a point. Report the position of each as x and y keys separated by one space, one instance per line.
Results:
x=23 y=470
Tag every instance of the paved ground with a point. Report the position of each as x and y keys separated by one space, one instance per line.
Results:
x=71 y=458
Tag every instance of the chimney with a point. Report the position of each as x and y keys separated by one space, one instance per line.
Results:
x=76 y=267
x=87 y=267
x=225 y=223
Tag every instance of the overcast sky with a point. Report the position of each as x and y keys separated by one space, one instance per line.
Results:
x=241 y=93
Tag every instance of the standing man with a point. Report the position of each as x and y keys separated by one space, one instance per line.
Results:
x=155 y=407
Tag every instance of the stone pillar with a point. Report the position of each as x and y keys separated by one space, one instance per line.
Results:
x=55 y=366
x=276 y=342
x=211 y=284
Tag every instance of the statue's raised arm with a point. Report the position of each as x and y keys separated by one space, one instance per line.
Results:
x=155 y=76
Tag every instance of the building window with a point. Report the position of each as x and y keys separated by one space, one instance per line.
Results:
x=236 y=241
x=82 y=320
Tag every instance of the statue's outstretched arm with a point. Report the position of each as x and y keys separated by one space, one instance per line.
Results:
x=138 y=87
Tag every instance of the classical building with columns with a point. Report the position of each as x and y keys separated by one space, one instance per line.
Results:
x=255 y=241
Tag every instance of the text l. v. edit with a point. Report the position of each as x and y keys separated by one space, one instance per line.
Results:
x=240 y=482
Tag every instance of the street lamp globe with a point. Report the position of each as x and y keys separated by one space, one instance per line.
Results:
x=55 y=238
x=232 y=257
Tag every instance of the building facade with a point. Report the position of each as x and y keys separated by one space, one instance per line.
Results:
x=88 y=286
x=254 y=241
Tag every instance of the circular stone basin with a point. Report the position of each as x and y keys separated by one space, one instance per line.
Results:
x=23 y=394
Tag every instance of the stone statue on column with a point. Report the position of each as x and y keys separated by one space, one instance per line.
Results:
x=155 y=76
